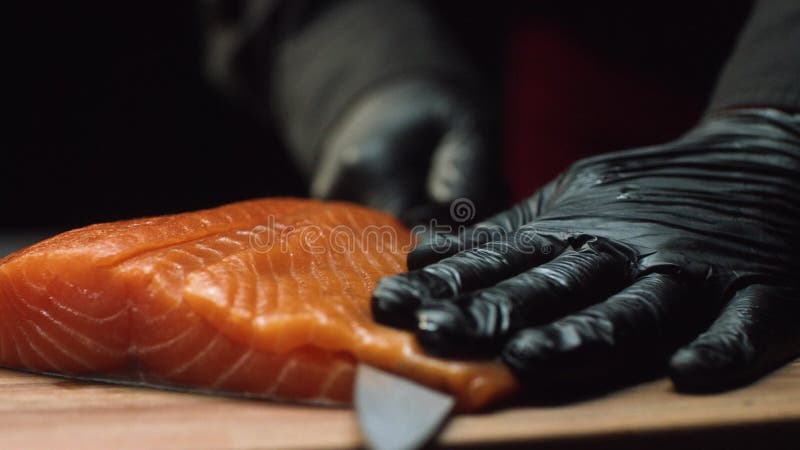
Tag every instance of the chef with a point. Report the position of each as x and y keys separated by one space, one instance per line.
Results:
x=678 y=256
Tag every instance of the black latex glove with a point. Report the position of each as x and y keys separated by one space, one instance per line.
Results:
x=406 y=146
x=625 y=258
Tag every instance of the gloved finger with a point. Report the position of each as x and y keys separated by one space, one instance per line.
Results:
x=462 y=167
x=379 y=155
x=395 y=299
x=357 y=172
x=756 y=332
x=523 y=212
x=479 y=323
x=604 y=340
x=434 y=246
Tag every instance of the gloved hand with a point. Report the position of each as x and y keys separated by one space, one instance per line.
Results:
x=682 y=255
x=408 y=146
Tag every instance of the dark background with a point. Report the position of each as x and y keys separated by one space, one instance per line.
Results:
x=111 y=118
x=109 y=115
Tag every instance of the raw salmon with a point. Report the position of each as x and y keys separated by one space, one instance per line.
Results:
x=266 y=298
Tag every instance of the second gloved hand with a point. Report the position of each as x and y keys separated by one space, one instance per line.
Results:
x=682 y=255
x=408 y=145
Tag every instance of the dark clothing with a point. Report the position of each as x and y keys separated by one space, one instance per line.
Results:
x=764 y=70
x=312 y=59
x=112 y=119
x=308 y=60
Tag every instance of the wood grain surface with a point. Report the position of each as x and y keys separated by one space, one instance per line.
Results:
x=45 y=412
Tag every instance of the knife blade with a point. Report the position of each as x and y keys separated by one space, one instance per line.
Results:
x=395 y=413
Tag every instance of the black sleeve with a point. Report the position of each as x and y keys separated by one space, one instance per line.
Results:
x=764 y=69
x=304 y=61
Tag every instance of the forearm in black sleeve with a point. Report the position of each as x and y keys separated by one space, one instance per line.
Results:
x=764 y=69
x=327 y=62
x=305 y=61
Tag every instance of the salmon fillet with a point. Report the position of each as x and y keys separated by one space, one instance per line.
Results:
x=266 y=298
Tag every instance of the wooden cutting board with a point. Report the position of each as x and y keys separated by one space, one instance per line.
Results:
x=44 y=412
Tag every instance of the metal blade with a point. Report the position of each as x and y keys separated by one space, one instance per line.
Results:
x=395 y=413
